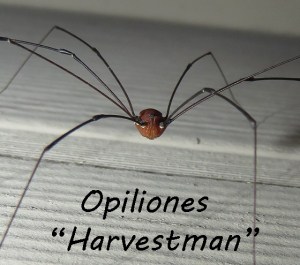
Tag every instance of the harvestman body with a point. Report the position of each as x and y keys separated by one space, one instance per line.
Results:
x=150 y=123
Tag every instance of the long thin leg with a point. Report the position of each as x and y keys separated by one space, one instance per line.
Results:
x=188 y=68
x=77 y=59
x=24 y=62
x=46 y=149
x=213 y=92
x=11 y=41
x=244 y=79
x=198 y=93
x=252 y=79
x=253 y=124
x=96 y=51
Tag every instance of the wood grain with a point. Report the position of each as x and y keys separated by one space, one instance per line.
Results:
x=43 y=102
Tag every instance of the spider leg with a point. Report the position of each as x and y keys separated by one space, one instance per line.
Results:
x=61 y=51
x=46 y=149
x=24 y=62
x=198 y=93
x=239 y=108
x=96 y=51
x=248 y=78
x=253 y=124
x=252 y=79
x=11 y=41
x=188 y=68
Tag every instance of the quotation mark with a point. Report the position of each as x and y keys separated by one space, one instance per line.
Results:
x=61 y=232
x=249 y=231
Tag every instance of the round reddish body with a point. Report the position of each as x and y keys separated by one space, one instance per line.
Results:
x=152 y=119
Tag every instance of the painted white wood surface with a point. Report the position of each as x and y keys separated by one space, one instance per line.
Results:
x=43 y=102
x=254 y=15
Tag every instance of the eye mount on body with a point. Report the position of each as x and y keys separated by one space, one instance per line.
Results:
x=151 y=123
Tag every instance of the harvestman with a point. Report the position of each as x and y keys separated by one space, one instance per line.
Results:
x=150 y=122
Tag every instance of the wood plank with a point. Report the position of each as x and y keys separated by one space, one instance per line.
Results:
x=148 y=57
